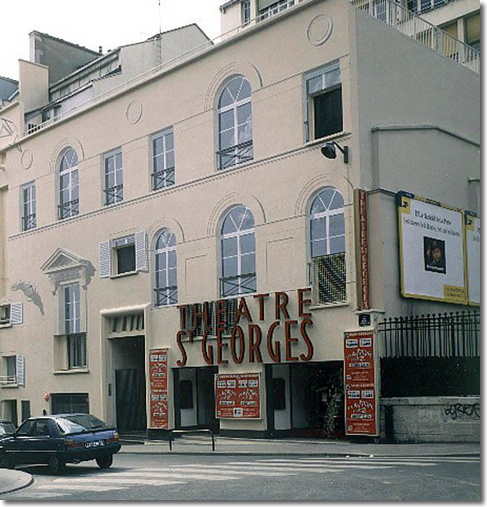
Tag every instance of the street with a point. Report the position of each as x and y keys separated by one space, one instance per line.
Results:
x=251 y=478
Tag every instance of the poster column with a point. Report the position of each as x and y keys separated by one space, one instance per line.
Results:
x=361 y=390
x=158 y=373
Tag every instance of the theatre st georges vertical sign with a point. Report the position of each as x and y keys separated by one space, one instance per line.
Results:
x=360 y=371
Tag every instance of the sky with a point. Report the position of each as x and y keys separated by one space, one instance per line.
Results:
x=94 y=23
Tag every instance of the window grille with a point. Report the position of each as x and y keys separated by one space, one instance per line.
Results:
x=329 y=279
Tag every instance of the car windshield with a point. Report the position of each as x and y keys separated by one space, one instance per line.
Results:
x=7 y=428
x=79 y=423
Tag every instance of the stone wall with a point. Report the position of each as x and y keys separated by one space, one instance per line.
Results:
x=430 y=419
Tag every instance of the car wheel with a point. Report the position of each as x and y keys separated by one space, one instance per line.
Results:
x=56 y=465
x=105 y=462
x=6 y=462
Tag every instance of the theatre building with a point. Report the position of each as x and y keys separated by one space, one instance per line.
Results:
x=220 y=234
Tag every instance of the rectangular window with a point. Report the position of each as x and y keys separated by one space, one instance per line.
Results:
x=28 y=206
x=472 y=36
x=5 y=315
x=113 y=177
x=163 y=159
x=246 y=16
x=324 y=111
x=124 y=254
x=71 y=309
x=76 y=351
x=70 y=403
x=11 y=369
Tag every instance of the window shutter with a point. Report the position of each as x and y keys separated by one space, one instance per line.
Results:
x=20 y=365
x=141 y=251
x=16 y=314
x=105 y=259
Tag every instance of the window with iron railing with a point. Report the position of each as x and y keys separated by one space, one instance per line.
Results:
x=235 y=124
x=68 y=185
x=238 y=253
x=327 y=247
x=163 y=170
x=166 y=282
x=200 y=317
x=113 y=177
x=29 y=206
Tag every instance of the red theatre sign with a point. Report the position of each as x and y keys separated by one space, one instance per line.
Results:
x=360 y=384
x=158 y=388
x=238 y=396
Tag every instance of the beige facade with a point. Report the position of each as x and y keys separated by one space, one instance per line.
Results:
x=410 y=120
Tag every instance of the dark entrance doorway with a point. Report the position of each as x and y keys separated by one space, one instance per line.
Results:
x=128 y=356
x=194 y=398
x=305 y=400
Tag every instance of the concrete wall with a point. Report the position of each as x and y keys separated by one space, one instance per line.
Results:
x=433 y=419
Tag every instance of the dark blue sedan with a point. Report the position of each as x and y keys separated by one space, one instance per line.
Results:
x=60 y=439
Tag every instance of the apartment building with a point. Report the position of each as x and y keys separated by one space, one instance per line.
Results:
x=211 y=240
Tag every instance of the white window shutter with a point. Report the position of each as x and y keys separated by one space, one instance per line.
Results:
x=20 y=360
x=141 y=251
x=105 y=259
x=16 y=314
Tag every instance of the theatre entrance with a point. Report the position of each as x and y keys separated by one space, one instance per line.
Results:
x=305 y=400
x=194 y=398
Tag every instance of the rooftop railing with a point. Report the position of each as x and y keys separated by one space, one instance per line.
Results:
x=407 y=22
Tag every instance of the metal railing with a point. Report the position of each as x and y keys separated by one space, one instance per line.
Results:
x=113 y=194
x=166 y=296
x=425 y=33
x=29 y=222
x=432 y=335
x=236 y=285
x=68 y=209
x=201 y=317
x=7 y=380
x=235 y=155
x=163 y=178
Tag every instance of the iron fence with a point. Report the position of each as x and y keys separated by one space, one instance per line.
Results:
x=447 y=335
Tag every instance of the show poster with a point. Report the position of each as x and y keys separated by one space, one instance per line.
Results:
x=238 y=396
x=158 y=388
x=431 y=250
x=472 y=240
x=360 y=384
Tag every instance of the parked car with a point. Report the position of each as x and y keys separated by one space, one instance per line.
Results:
x=60 y=439
x=7 y=428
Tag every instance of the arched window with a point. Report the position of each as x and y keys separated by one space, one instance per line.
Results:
x=68 y=185
x=166 y=279
x=235 y=123
x=238 y=253
x=327 y=246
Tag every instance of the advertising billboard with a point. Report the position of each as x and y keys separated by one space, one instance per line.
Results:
x=360 y=384
x=472 y=242
x=159 y=416
x=431 y=249
x=238 y=396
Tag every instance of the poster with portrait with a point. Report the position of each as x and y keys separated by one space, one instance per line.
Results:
x=472 y=241
x=431 y=249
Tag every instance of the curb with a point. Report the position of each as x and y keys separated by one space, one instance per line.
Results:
x=28 y=480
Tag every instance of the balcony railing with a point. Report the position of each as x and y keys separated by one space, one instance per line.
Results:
x=235 y=155
x=162 y=179
x=166 y=296
x=113 y=194
x=68 y=209
x=236 y=285
x=29 y=222
x=8 y=380
x=425 y=33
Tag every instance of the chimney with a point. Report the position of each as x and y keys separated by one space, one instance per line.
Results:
x=100 y=50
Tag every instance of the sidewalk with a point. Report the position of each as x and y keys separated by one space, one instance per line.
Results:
x=298 y=447
x=11 y=480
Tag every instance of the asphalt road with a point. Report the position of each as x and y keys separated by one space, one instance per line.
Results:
x=228 y=478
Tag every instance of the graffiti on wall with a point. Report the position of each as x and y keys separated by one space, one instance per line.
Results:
x=462 y=411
